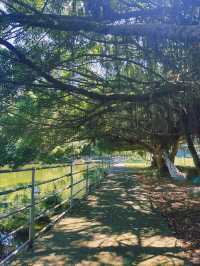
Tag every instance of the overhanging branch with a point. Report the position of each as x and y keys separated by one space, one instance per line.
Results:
x=78 y=24
x=172 y=88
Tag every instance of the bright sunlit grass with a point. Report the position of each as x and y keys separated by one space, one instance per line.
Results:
x=137 y=165
x=179 y=161
x=184 y=162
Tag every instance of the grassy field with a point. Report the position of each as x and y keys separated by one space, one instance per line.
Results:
x=14 y=180
x=8 y=180
x=184 y=162
x=179 y=161
x=19 y=199
x=49 y=196
x=138 y=165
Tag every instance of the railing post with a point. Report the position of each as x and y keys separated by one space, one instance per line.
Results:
x=87 y=178
x=102 y=165
x=109 y=162
x=32 y=210
x=101 y=171
x=71 y=184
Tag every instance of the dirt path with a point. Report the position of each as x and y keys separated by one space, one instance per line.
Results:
x=115 y=226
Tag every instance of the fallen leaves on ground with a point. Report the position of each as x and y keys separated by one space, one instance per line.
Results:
x=179 y=203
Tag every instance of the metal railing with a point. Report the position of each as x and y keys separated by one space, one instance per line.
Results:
x=87 y=182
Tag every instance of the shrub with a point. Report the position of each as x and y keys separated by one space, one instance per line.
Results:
x=51 y=201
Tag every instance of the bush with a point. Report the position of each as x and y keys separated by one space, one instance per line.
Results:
x=192 y=172
x=52 y=201
x=45 y=219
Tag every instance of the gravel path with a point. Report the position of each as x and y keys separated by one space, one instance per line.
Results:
x=114 y=226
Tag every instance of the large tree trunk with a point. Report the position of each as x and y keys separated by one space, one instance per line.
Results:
x=174 y=150
x=193 y=151
x=157 y=159
x=190 y=143
x=160 y=163
x=153 y=161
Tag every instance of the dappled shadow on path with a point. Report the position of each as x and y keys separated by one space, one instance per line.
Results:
x=114 y=226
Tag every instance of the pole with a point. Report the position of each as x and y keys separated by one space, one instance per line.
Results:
x=32 y=211
x=71 y=185
x=101 y=172
x=87 y=178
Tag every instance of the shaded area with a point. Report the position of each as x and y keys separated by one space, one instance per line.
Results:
x=179 y=203
x=115 y=226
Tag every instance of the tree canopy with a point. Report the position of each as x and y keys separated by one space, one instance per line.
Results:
x=125 y=73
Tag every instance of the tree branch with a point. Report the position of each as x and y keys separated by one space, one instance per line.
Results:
x=76 y=24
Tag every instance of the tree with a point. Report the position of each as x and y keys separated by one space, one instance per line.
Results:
x=91 y=74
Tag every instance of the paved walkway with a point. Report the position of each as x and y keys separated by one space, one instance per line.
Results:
x=115 y=226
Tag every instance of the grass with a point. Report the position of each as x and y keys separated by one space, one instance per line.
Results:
x=20 y=199
x=179 y=161
x=185 y=165
x=14 y=222
x=137 y=164
x=184 y=162
x=8 y=180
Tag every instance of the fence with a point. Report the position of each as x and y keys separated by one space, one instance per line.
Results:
x=87 y=182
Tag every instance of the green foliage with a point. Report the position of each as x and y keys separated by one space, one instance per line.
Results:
x=52 y=201
x=106 y=92
x=19 y=219
x=191 y=173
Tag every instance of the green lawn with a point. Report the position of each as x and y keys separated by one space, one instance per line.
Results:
x=19 y=199
x=183 y=162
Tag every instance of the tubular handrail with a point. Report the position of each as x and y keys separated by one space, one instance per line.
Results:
x=52 y=209
x=46 y=167
x=41 y=199
x=53 y=194
x=44 y=198
x=98 y=164
x=6 y=192
x=80 y=172
x=51 y=180
x=42 y=213
x=28 y=186
x=12 y=190
x=78 y=191
x=4 y=216
x=78 y=182
x=30 y=169
x=83 y=171
x=14 y=232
